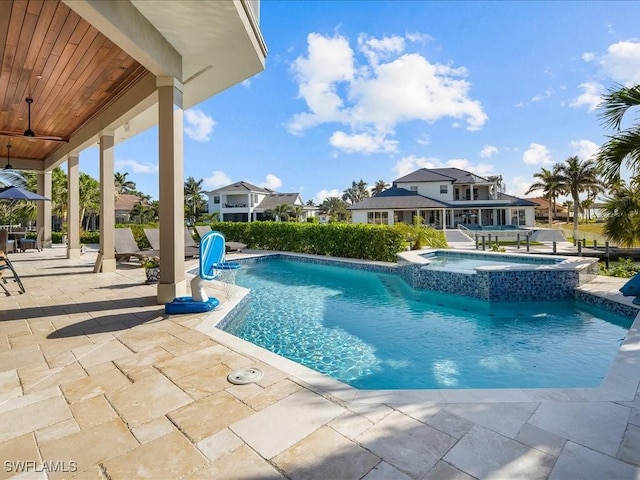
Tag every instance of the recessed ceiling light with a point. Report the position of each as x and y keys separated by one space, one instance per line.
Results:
x=39 y=77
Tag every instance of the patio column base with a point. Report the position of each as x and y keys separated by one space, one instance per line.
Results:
x=168 y=291
x=104 y=264
x=73 y=253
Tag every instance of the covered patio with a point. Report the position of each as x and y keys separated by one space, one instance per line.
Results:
x=81 y=73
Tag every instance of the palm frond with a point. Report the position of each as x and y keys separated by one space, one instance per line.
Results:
x=621 y=149
x=616 y=103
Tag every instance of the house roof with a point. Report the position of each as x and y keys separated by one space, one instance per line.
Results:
x=453 y=175
x=274 y=199
x=543 y=204
x=125 y=202
x=397 y=198
x=249 y=187
x=401 y=198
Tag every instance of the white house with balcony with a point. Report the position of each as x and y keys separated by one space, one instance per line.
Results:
x=445 y=198
x=244 y=202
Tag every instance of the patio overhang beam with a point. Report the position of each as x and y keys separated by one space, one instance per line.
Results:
x=125 y=26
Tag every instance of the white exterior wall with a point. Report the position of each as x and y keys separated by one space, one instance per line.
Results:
x=430 y=189
x=359 y=216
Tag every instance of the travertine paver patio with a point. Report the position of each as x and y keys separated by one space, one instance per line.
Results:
x=96 y=382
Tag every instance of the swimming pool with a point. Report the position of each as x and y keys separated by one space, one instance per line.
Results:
x=373 y=331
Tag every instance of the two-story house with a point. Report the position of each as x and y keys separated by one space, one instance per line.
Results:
x=244 y=202
x=445 y=198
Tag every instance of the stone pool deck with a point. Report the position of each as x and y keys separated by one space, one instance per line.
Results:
x=96 y=382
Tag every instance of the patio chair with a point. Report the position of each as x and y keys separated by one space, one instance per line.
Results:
x=188 y=239
x=126 y=247
x=201 y=230
x=153 y=235
x=6 y=245
x=6 y=265
x=35 y=243
x=229 y=246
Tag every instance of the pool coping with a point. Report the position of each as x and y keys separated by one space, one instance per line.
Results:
x=619 y=384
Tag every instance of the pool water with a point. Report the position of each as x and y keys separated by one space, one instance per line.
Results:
x=373 y=331
x=468 y=262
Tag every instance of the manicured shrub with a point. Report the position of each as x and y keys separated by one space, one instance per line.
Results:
x=371 y=242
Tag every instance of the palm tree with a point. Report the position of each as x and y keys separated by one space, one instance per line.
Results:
x=310 y=203
x=624 y=146
x=380 y=186
x=194 y=203
x=576 y=177
x=356 y=193
x=549 y=183
x=297 y=212
x=89 y=197
x=281 y=212
x=622 y=213
x=336 y=208
x=123 y=185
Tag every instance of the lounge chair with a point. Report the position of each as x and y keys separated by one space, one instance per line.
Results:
x=188 y=239
x=153 y=235
x=229 y=246
x=35 y=243
x=126 y=247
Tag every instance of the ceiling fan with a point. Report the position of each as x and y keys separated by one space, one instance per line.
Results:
x=30 y=134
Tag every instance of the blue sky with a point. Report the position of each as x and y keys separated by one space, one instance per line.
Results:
x=377 y=89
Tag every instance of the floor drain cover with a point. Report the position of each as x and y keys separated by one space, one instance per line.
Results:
x=244 y=376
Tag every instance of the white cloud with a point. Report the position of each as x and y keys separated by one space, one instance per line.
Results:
x=547 y=93
x=217 y=179
x=517 y=186
x=322 y=195
x=412 y=163
x=386 y=87
x=376 y=49
x=588 y=56
x=622 y=62
x=487 y=151
x=271 y=182
x=591 y=96
x=362 y=143
x=585 y=149
x=423 y=139
x=135 y=167
x=536 y=154
x=198 y=125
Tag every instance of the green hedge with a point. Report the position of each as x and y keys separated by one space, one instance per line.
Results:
x=371 y=242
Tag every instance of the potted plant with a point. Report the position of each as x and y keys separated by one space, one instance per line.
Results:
x=152 y=269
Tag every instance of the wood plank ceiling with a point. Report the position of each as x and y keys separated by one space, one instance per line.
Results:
x=71 y=71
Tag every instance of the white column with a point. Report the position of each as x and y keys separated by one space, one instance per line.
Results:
x=171 y=190
x=44 y=207
x=73 y=206
x=106 y=261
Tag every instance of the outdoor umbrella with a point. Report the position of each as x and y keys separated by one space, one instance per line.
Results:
x=17 y=193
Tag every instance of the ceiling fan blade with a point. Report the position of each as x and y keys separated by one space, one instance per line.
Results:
x=44 y=138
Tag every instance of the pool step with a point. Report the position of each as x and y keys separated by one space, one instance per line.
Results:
x=456 y=236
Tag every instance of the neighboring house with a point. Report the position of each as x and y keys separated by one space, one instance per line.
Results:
x=123 y=205
x=542 y=210
x=445 y=198
x=244 y=202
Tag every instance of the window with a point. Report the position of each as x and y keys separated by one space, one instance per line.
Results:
x=444 y=189
x=216 y=199
x=413 y=189
x=378 y=218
